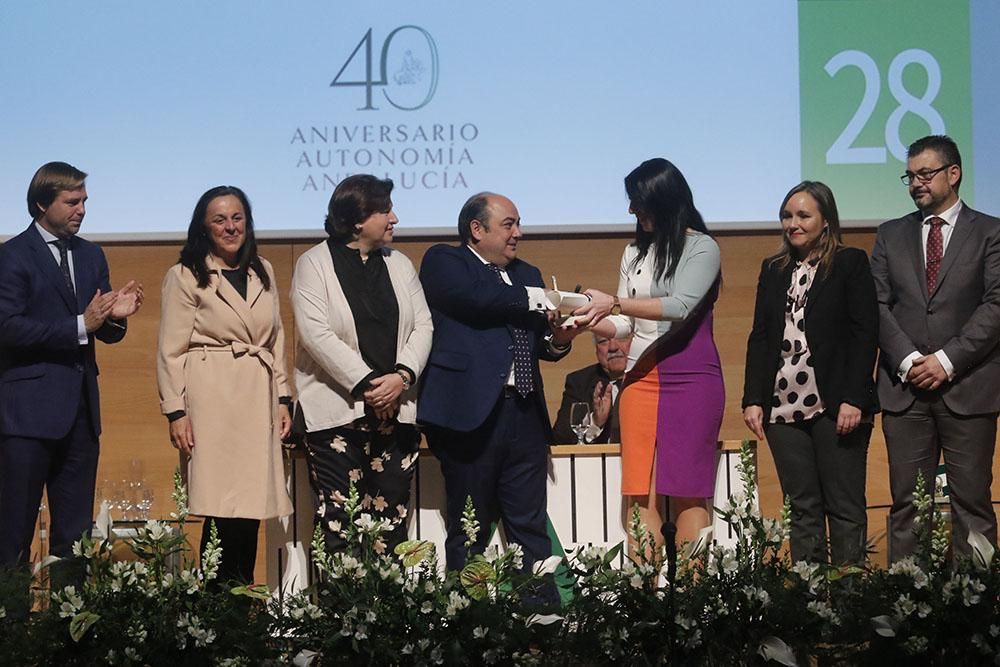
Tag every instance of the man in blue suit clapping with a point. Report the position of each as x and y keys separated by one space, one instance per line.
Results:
x=55 y=300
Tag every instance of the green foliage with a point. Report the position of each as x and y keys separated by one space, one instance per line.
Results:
x=151 y=608
x=729 y=605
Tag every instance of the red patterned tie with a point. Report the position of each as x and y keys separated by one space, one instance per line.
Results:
x=935 y=249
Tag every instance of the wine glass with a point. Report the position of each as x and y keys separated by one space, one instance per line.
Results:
x=579 y=420
x=146 y=503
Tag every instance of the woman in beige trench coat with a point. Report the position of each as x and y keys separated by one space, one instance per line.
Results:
x=221 y=377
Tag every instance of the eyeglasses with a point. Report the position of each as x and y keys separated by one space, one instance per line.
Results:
x=924 y=176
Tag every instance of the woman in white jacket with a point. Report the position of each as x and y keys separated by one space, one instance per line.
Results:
x=364 y=334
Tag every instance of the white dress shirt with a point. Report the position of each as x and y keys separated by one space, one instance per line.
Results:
x=49 y=238
x=950 y=218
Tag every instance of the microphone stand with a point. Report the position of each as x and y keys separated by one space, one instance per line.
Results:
x=669 y=532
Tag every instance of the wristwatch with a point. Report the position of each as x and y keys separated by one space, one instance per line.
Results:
x=616 y=307
x=406 y=379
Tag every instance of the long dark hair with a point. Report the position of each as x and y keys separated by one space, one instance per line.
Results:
x=199 y=245
x=658 y=189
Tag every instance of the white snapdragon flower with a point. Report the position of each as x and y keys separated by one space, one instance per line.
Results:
x=456 y=602
x=70 y=603
x=191 y=581
x=190 y=625
x=156 y=530
x=805 y=570
x=517 y=555
x=915 y=645
x=909 y=567
x=368 y=524
x=824 y=611
x=757 y=594
x=137 y=632
x=972 y=591
x=722 y=561
x=774 y=530
x=593 y=555
x=392 y=573
x=903 y=607
x=685 y=622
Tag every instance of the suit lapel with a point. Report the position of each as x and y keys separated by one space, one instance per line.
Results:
x=85 y=289
x=254 y=288
x=819 y=283
x=915 y=248
x=959 y=235
x=781 y=281
x=50 y=269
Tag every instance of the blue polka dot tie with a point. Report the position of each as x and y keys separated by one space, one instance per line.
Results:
x=523 y=381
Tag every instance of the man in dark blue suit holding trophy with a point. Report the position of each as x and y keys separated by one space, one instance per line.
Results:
x=481 y=402
x=55 y=300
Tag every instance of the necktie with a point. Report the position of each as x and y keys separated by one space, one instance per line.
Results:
x=523 y=381
x=63 y=245
x=935 y=250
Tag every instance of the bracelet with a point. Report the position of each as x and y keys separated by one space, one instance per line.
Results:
x=405 y=377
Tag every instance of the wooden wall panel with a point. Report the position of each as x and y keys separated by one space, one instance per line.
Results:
x=134 y=429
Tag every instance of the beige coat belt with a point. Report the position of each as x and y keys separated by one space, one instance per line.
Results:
x=238 y=348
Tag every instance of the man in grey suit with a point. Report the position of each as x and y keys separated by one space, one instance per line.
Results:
x=937 y=275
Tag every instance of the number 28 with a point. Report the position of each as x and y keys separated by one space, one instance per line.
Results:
x=842 y=151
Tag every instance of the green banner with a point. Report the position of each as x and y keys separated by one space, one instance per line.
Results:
x=874 y=76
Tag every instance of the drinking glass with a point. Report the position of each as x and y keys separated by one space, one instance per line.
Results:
x=579 y=420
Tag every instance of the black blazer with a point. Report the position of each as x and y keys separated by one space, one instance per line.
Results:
x=580 y=389
x=841 y=321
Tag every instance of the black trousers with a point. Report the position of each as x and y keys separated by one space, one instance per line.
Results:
x=238 y=539
x=379 y=458
x=67 y=468
x=502 y=466
x=823 y=474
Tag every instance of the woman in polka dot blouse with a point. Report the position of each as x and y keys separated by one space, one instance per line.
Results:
x=808 y=387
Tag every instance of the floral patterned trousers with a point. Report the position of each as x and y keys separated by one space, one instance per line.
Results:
x=379 y=459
